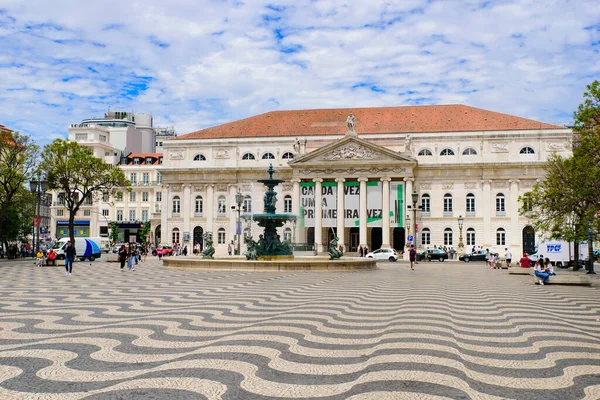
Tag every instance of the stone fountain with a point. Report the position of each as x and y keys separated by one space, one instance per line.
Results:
x=269 y=245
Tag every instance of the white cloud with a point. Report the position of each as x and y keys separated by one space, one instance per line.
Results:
x=196 y=64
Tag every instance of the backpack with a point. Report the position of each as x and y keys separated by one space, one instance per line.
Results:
x=413 y=253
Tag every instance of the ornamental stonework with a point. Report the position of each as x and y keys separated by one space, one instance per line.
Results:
x=222 y=153
x=350 y=151
x=470 y=185
x=556 y=146
x=198 y=188
x=448 y=185
x=499 y=185
x=426 y=186
x=176 y=155
x=221 y=188
x=499 y=147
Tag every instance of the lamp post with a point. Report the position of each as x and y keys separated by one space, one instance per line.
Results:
x=415 y=200
x=38 y=188
x=239 y=199
x=461 y=245
x=591 y=251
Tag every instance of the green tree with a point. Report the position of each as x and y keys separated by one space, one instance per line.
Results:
x=145 y=231
x=114 y=232
x=565 y=204
x=19 y=162
x=73 y=170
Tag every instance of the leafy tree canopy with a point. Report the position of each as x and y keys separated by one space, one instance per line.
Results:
x=73 y=170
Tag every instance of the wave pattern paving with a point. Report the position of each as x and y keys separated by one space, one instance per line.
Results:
x=444 y=331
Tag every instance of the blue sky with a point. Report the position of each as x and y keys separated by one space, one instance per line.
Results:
x=199 y=63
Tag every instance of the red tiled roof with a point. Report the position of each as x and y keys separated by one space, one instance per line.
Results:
x=144 y=155
x=377 y=120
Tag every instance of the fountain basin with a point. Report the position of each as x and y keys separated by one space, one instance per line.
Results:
x=297 y=264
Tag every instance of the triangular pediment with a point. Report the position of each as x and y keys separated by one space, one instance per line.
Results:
x=352 y=150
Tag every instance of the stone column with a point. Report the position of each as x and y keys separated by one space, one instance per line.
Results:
x=318 y=215
x=516 y=246
x=210 y=208
x=385 y=212
x=164 y=214
x=487 y=214
x=340 y=213
x=296 y=209
x=187 y=210
x=232 y=214
x=362 y=232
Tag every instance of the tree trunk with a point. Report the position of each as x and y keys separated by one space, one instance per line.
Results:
x=576 y=255
x=72 y=227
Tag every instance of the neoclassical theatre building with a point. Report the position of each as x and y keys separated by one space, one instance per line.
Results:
x=354 y=174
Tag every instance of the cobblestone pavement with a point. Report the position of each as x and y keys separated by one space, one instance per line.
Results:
x=443 y=331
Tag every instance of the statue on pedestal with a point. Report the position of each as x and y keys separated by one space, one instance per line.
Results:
x=208 y=250
x=333 y=251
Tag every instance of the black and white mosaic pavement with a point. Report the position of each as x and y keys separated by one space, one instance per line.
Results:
x=444 y=331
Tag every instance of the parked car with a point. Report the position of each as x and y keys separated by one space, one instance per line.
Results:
x=166 y=251
x=479 y=255
x=383 y=254
x=432 y=254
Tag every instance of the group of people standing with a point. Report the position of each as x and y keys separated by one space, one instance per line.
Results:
x=131 y=254
x=363 y=251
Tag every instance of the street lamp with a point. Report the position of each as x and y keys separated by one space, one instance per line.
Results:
x=239 y=199
x=415 y=200
x=38 y=188
x=591 y=251
x=461 y=245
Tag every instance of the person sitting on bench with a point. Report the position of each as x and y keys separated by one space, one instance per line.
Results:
x=543 y=272
x=51 y=257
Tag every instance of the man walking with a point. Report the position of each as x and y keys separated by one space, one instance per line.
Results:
x=412 y=255
x=508 y=256
x=70 y=254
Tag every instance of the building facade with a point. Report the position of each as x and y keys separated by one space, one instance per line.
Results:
x=352 y=173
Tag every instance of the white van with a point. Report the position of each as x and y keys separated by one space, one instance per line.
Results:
x=559 y=252
x=85 y=247
x=105 y=245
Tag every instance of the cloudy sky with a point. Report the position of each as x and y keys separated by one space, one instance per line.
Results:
x=199 y=63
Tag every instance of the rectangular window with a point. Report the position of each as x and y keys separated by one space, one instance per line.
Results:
x=426 y=204
x=119 y=196
x=149 y=161
x=119 y=215
x=287 y=205
x=500 y=205
x=145 y=215
x=426 y=238
x=222 y=208
x=87 y=213
x=144 y=196
x=199 y=206
x=105 y=197
x=448 y=238
x=447 y=204
x=79 y=137
x=105 y=213
x=131 y=196
x=88 y=200
x=248 y=205
x=103 y=138
x=500 y=238
x=470 y=204
x=159 y=178
x=136 y=161
x=60 y=213
x=133 y=178
x=158 y=196
x=221 y=236
x=132 y=215
x=145 y=178
x=470 y=238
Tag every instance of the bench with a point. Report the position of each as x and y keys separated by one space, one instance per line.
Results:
x=566 y=280
x=519 y=271
x=112 y=259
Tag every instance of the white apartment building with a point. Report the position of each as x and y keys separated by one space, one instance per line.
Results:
x=353 y=173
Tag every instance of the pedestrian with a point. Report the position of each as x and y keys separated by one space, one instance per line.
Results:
x=508 y=256
x=145 y=252
x=360 y=251
x=70 y=254
x=412 y=255
x=131 y=261
x=123 y=256
x=229 y=249
x=366 y=250
x=184 y=252
x=159 y=252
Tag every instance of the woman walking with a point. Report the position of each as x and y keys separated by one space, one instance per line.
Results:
x=123 y=256
x=132 y=258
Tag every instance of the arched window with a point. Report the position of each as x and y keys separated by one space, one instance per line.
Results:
x=425 y=203
x=287 y=235
x=199 y=157
x=448 y=203
x=470 y=203
x=221 y=206
x=247 y=204
x=175 y=235
x=527 y=150
x=470 y=237
x=500 y=204
x=221 y=236
x=199 y=205
x=288 y=156
x=447 y=152
x=268 y=156
x=500 y=237
x=425 y=152
x=469 y=152
x=426 y=236
x=447 y=237
x=176 y=205
x=287 y=204
x=248 y=156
